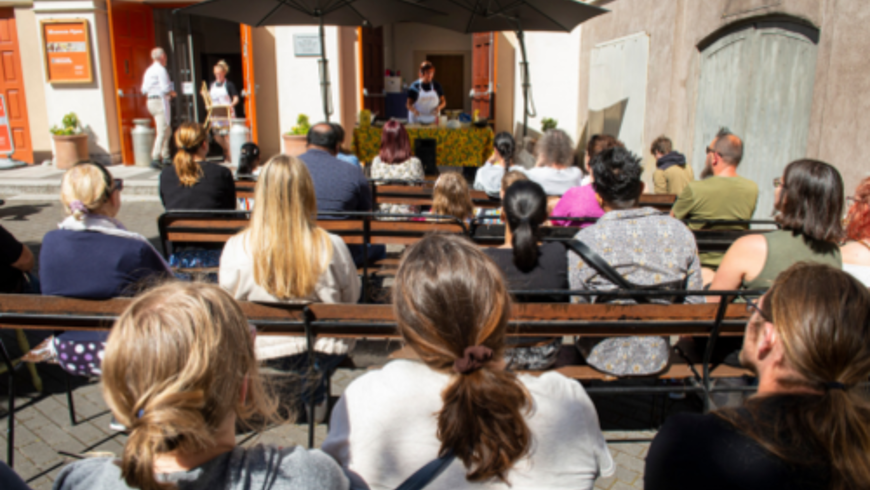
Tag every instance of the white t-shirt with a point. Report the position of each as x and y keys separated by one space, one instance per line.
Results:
x=860 y=272
x=555 y=181
x=383 y=429
x=488 y=179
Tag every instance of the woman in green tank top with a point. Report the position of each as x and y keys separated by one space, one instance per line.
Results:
x=809 y=207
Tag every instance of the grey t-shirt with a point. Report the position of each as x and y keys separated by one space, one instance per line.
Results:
x=256 y=468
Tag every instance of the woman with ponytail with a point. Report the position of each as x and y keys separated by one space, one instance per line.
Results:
x=180 y=373
x=808 y=426
x=191 y=182
x=528 y=265
x=457 y=399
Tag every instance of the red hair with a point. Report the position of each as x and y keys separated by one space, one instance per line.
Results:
x=858 y=217
x=395 y=144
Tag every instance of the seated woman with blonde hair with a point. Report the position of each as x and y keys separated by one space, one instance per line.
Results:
x=93 y=256
x=191 y=182
x=451 y=197
x=180 y=373
x=283 y=256
x=457 y=399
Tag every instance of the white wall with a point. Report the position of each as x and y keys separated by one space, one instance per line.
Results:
x=299 y=79
x=554 y=67
x=94 y=103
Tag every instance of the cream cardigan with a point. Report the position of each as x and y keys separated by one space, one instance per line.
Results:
x=339 y=283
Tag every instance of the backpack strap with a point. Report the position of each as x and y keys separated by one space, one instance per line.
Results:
x=424 y=476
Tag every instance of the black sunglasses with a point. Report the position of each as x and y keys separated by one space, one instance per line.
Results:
x=753 y=305
x=118 y=185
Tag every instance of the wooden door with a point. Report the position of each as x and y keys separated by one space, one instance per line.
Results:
x=372 y=46
x=132 y=29
x=249 y=90
x=482 y=75
x=450 y=73
x=758 y=82
x=12 y=87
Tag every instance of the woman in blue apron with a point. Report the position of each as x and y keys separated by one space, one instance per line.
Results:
x=425 y=97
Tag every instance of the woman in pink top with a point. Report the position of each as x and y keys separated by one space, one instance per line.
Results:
x=581 y=201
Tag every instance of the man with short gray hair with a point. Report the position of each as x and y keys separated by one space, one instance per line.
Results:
x=157 y=86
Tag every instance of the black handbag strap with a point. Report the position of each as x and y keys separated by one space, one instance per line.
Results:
x=602 y=267
x=426 y=474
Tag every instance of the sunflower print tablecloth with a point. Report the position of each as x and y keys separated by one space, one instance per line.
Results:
x=466 y=147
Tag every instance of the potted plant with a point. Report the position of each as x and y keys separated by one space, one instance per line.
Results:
x=548 y=123
x=295 y=140
x=70 y=142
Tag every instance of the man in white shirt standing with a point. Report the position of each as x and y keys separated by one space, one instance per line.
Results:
x=158 y=88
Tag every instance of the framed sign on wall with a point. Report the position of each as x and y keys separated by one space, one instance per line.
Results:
x=66 y=48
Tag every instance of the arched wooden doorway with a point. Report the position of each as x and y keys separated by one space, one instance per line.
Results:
x=757 y=79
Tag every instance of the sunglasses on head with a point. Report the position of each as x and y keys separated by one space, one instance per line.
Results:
x=753 y=305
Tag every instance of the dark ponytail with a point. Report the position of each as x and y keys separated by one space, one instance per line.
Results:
x=525 y=209
x=505 y=145
x=449 y=297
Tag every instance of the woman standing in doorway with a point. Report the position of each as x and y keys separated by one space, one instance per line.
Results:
x=425 y=97
x=223 y=93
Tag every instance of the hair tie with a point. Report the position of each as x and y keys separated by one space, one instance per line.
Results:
x=835 y=385
x=473 y=359
x=78 y=206
x=140 y=414
x=190 y=149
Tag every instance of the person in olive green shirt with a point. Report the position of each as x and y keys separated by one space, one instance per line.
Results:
x=672 y=175
x=722 y=196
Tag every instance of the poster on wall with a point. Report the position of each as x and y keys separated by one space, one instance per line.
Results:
x=67 y=50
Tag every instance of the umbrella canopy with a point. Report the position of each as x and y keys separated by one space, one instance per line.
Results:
x=511 y=15
x=315 y=12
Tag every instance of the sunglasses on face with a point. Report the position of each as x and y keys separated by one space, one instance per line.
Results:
x=118 y=185
x=753 y=305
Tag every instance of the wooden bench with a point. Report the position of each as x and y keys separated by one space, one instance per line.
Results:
x=421 y=195
x=377 y=321
x=708 y=240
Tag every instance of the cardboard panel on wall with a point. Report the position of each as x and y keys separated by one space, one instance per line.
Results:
x=67 y=50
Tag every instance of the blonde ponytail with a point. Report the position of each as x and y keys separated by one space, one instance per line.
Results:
x=189 y=138
x=174 y=369
x=85 y=189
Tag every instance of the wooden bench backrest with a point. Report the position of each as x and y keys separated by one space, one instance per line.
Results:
x=417 y=195
x=245 y=189
x=220 y=227
x=56 y=313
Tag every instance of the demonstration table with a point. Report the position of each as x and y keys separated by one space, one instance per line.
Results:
x=465 y=147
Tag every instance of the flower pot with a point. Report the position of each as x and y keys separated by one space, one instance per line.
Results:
x=70 y=150
x=295 y=144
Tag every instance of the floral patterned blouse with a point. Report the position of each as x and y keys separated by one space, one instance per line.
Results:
x=410 y=169
x=647 y=248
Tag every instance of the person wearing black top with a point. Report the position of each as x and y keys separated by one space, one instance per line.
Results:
x=223 y=93
x=191 y=182
x=806 y=428
x=15 y=260
x=529 y=265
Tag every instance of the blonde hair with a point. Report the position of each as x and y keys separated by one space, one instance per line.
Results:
x=451 y=196
x=87 y=183
x=224 y=66
x=189 y=138
x=510 y=177
x=176 y=364
x=290 y=252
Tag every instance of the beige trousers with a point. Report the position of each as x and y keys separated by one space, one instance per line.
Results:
x=157 y=108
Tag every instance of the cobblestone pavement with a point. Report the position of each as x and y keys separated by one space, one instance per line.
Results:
x=45 y=439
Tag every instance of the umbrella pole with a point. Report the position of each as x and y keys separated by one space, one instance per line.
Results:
x=524 y=75
x=324 y=74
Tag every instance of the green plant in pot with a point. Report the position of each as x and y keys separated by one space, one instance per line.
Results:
x=295 y=140
x=70 y=142
x=548 y=123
